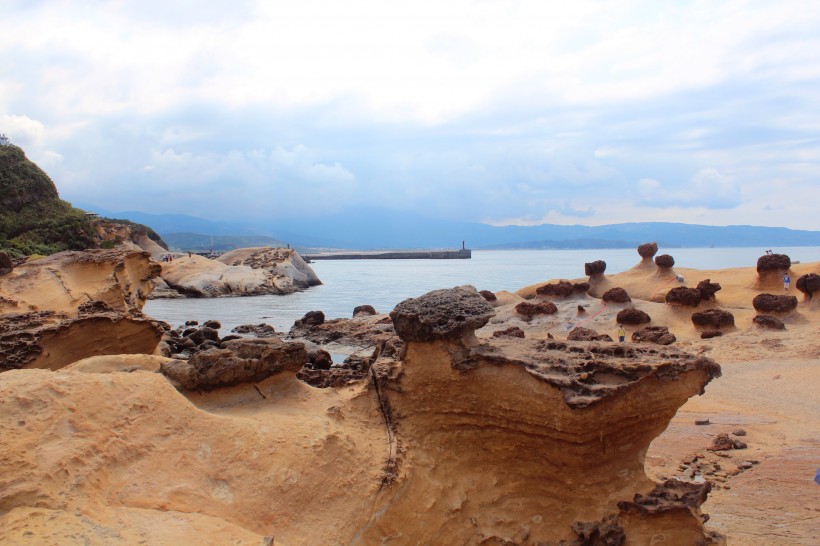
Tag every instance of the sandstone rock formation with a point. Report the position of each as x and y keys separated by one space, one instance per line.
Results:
x=809 y=284
x=530 y=310
x=312 y=318
x=6 y=265
x=665 y=261
x=633 y=316
x=592 y=269
x=769 y=321
x=713 y=318
x=364 y=310
x=773 y=262
x=771 y=303
x=562 y=289
x=654 y=334
x=707 y=289
x=616 y=295
x=587 y=334
x=284 y=264
x=440 y=314
x=488 y=295
x=647 y=250
x=512 y=331
x=681 y=295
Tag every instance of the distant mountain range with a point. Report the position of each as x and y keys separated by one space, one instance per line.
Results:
x=377 y=229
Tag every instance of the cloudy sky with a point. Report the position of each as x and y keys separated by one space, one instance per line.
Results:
x=506 y=112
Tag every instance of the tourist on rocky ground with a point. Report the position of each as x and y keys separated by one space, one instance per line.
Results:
x=786 y=281
x=621 y=333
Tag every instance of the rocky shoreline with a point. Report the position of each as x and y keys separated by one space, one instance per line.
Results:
x=461 y=417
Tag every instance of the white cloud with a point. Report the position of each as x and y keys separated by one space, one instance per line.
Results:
x=708 y=188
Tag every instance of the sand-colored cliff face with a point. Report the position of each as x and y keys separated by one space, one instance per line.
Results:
x=71 y=305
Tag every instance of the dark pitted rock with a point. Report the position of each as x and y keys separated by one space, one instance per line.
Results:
x=512 y=331
x=581 y=287
x=199 y=336
x=647 y=250
x=769 y=321
x=560 y=289
x=724 y=442
x=616 y=295
x=681 y=295
x=93 y=307
x=241 y=361
x=770 y=303
x=713 y=318
x=529 y=310
x=632 y=315
x=709 y=334
x=581 y=310
x=606 y=532
x=586 y=334
x=354 y=369
x=320 y=359
x=441 y=314
x=6 y=265
x=707 y=289
x=664 y=260
x=364 y=310
x=773 y=262
x=654 y=334
x=312 y=318
x=808 y=284
x=489 y=296
x=215 y=324
x=191 y=323
x=594 y=268
x=258 y=330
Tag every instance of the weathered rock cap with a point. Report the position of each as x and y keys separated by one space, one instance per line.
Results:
x=364 y=311
x=441 y=314
x=647 y=250
x=771 y=303
x=773 y=262
x=664 y=260
x=595 y=268
x=808 y=284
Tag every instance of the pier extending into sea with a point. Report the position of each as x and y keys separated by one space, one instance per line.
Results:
x=461 y=254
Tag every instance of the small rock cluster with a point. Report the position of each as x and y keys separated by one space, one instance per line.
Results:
x=530 y=310
x=562 y=289
x=654 y=334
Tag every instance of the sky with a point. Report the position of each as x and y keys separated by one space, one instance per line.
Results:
x=503 y=112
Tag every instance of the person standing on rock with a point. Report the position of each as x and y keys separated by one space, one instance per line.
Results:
x=621 y=333
x=786 y=281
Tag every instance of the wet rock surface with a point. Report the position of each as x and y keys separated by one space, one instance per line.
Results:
x=632 y=316
x=683 y=296
x=441 y=314
x=769 y=321
x=531 y=310
x=616 y=295
x=654 y=334
x=773 y=262
x=771 y=303
x=594 y=268
x=647 y=250
x=713 y=318
x=665 y=260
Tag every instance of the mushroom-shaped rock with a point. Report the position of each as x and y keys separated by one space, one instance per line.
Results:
x=441 y=314
x=529 y=310
x=809 y=283
x=713 y=318
x=312 y=318
x=647 y=250
x=586 y=334
x=581 y=287
x=681 y=295
x=632 y=315
x=595 y=268
x=773 y=262
x=707 y=289
x=364 y=311
x=6 y=265
x=487 y=295
x=769 y=321
x=654 y=334
x=560 y=289
x=664 y=260
x=770 y=303
x=512 y=331
x=616 y=295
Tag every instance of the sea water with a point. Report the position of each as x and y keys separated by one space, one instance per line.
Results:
x=384 y=283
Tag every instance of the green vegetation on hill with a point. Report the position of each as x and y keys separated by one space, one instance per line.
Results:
x=33 y=218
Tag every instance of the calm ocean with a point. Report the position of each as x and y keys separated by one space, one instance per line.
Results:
x=384 y=283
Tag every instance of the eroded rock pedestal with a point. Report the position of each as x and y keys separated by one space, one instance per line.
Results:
x=525 y=441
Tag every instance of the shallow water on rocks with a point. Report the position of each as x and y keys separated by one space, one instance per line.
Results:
x=384 y=283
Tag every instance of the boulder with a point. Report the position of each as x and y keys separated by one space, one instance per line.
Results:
x=713 y=318
x=808 y=284
x=312 y=318
x=681 y=295
x=215 y=324
x=320 y=359
x=6 y=265
x=512 y=331
x=594 y=268
x=258 y=330
x=616 y=295
x=707 y=289
x=769 y=321
x=647 y=250
x=560 y=289
x=586 y=334
x=489 y=296
x=770 y=303
x=441 y=314
x=773 y=262
x=529 y=310
x=654 y=334
x=724 y=442
x=364 y=310
x=633 y=316
x=664 y=260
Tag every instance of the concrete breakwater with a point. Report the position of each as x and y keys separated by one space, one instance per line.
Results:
x=461 y=254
